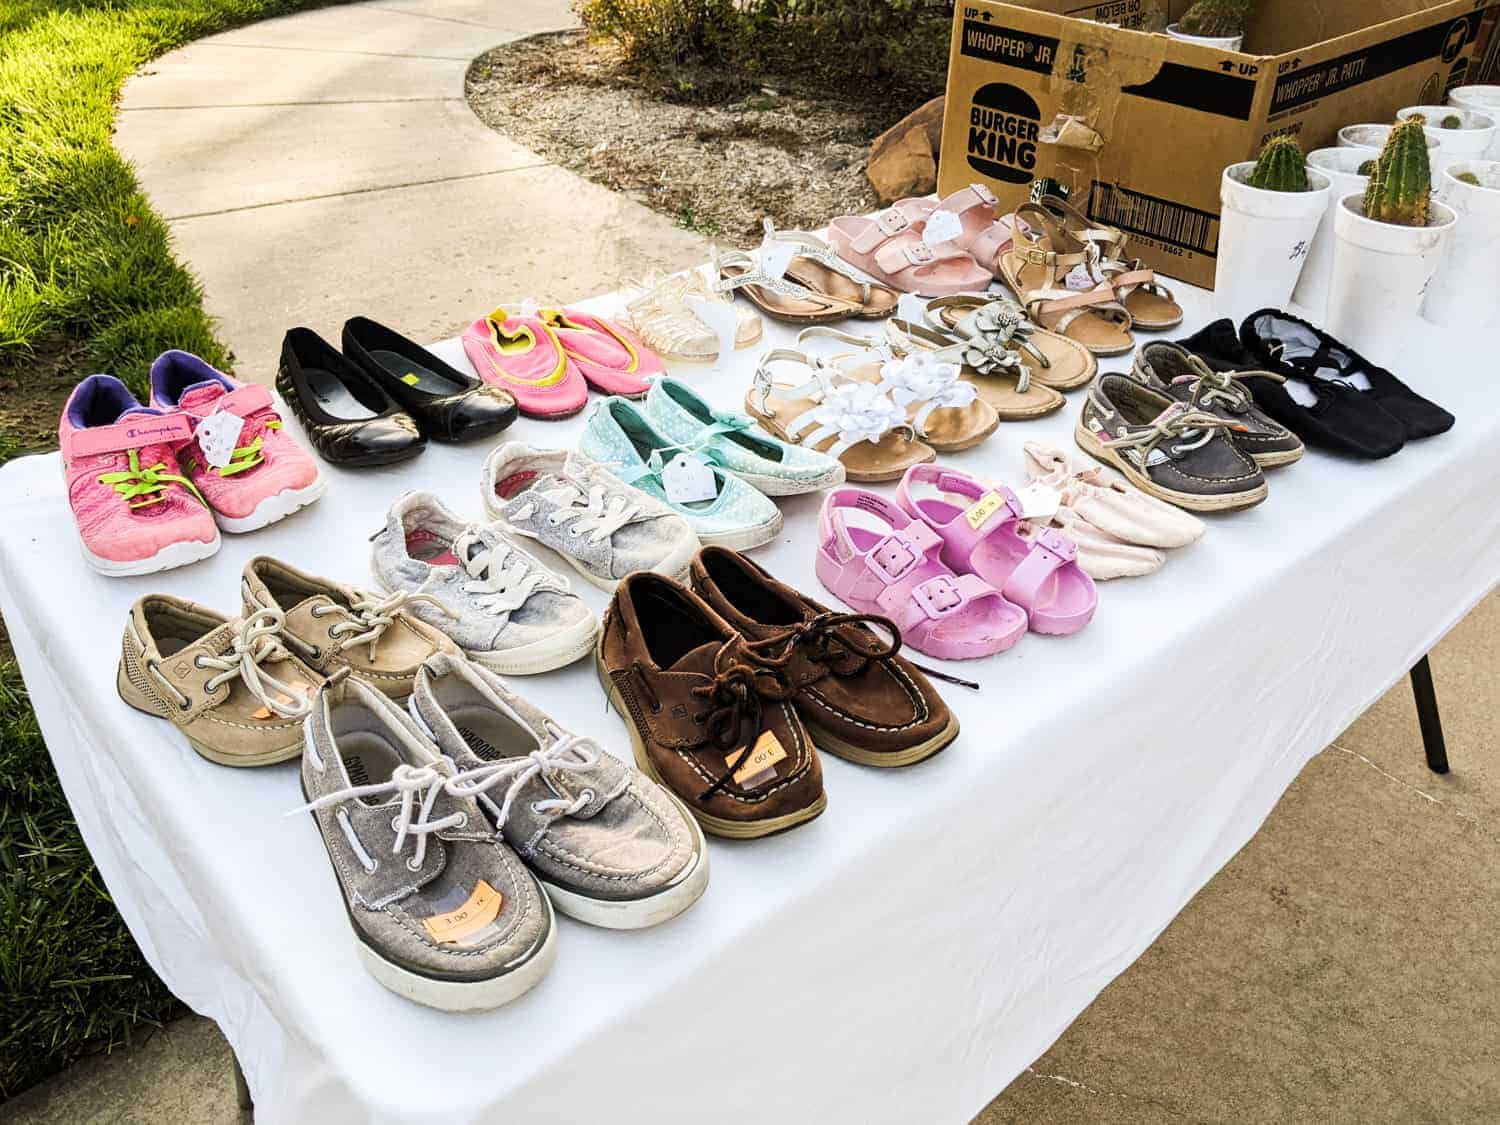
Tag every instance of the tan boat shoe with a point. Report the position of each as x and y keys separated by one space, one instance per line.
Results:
x=332 y=626
x=228 y=684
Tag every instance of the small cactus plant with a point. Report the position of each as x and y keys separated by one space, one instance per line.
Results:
x=1468 y=178
x=1452 y=121
x=1280 y=166
x=1400 y=188
x=1215 y=18
x=1367 y=168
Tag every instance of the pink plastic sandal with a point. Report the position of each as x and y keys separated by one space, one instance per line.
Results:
x=1041 y=573
x=899 y=574
x=890 y=248
x=981 y=234
x=611 y=359
x=521 y=354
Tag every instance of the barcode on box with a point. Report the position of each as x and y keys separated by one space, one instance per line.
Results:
x=1172 y=224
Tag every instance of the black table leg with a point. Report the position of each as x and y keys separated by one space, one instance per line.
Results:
x=1427 y=716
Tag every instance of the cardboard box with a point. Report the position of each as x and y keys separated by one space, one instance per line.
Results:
x=1139 y=126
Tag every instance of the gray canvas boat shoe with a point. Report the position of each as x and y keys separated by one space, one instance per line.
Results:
x=501 y=606
x=611 y=847
x=444 y=912
x=602 y=527
x=1177 y=373
x=1166 y=448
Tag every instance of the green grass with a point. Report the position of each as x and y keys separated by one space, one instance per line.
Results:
x=85 y=269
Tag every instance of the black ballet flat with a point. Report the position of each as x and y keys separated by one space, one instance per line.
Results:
x=349 y=418
x=447 y=404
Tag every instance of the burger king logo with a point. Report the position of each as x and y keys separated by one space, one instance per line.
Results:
x=1003 y=125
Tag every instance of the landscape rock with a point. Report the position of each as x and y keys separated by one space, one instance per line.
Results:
x=903 y=159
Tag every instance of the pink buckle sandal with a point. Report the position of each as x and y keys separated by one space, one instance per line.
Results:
x=900 y=575
x=978 y=232
x=1040 y=573
x=890 y=248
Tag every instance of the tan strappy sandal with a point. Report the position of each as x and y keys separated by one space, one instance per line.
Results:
x=810 y=285
x=834 y=412
x=944 y=410
x=1150 y=304
x=1054 y=360
x=1040 y=256
x=996 y=372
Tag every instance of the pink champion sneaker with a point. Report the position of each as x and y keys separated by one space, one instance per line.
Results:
x=519 y=352
x=267 y=476
x=136 y=511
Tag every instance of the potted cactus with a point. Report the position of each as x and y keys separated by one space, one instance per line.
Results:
x=1214 y=23
x=1461 y=134
x=1387 y=241
x=1372 y=139
x=1271 y=209
x=1468 y=274
x=1485 y=99
x=1348 y=169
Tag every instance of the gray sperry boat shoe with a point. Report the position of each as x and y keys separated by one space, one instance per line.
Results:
x=331 y=625
x=229 y=685
x=444 y=912
x=1177 y=373
x=601 y=526
x=503 y=608
x=611 y=846
x=1166 y=448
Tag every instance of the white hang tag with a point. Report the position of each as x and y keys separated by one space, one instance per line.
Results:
x=218 y=435
x=722 y=320
x=912 y=309
x=942 y=226
x=775 y=257
x=1039 y=502
x=1079 y=279
x=687 y=480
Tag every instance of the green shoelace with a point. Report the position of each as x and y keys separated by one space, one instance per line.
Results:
x=142 y=487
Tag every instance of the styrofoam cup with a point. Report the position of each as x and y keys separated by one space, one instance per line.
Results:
x=1486 y=99
x=1264 y=237
x=1380 y=271
x=1464 y=289
x=1470 y=141
x=1218 y=42
x=1341 y=165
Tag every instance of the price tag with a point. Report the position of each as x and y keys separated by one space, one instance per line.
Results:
x=721 y=317
x=759 y=767
x=912 y=309
x=687 y=479
x=942 y=226
x=218 y=435
x=1039 y=501
x=775 y=256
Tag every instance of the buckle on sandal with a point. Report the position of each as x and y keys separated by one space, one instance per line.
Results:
x=891 y=559
x=1058 y=545
x=919 y=253
x=892 y=222
x=938 y=597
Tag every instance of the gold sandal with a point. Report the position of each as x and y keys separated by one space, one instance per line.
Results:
x=809 y=285
x=1150 y=304
x=1054 y=360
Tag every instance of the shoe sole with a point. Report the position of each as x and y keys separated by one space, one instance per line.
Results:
x=673 y=566
x=540 y=656
x=776 y=486
x=273 y=508
x=827 y=741
x=746 y=538
x=638 y=914
x=172 y=555
x=1186 y=500
x=713 y=825
x=1278 y=457
x=264 y=758
x=465 y=995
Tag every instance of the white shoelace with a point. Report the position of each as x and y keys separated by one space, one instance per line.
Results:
x=412 y=819
x=373 y=616
x=569 y=754
x=590 y=510
x=501 y=577
x=258 y=642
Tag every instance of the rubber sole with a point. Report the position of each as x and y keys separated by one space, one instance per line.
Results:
x=465 y=995
x=745 y=538
x=831 y=743
x=273 y=508
x=540 y=656
x=1186 y=500
x=265 y=758
x=776 y=486
x=172 y=555
x=1277 y=458
x=638 y=914
x=713 y=825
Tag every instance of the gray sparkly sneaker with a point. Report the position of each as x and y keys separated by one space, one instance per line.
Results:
x=1167 y=449
x=502 y=607
x=443 y=911
x=611 y=847
x=603 y=528
x=1177 y=373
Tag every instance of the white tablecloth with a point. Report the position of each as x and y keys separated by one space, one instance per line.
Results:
x=899 y=959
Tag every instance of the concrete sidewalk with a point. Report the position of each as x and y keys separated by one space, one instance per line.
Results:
x=325 y=164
